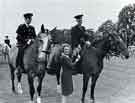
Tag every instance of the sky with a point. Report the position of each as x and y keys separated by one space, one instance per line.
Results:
x=58 y=13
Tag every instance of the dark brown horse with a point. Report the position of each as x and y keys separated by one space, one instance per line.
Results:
x=58 y=37
x=91 y=63
x=34 y=65
x=92 y=60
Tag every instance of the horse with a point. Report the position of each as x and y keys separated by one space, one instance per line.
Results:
x=35 y=61
x=5 y=50
x=91 y=62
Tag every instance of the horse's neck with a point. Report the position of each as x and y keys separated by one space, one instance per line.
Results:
x=102 y=47
x=33 y=48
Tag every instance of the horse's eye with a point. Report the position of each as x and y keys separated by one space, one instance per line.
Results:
x=117 y=42
x=41 y=41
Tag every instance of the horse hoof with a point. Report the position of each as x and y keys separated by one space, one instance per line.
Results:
x=58 y=88
x=30 y=102
x=13 y=90
x=63 y=99
x=20 y=91
x=92 y=101
x=83 y=101
x=38 y=100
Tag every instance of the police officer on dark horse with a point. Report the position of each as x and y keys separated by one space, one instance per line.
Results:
x=25 y=35
x=79 y=37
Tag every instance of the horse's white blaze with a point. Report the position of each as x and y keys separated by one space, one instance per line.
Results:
x=59 y=88
x=41 y=55
x=45 y=44
x=43 y=47
x=19 y=86
x=38 y=99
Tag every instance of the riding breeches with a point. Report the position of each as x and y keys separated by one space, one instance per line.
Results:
x=19 y=59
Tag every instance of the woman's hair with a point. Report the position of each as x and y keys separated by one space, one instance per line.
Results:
x=67 y=45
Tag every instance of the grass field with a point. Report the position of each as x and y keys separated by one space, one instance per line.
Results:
x=115 y=85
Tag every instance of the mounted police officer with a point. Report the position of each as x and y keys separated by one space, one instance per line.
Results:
x=7 y=41
x=25 y=35
x=79 y=37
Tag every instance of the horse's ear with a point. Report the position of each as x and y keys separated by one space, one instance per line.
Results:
x=42 y=28
x=54 y=29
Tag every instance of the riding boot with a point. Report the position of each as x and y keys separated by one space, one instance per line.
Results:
x=19 y=60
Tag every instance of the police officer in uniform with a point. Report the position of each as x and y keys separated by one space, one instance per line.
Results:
x=7 y=41
x=25 y=35
x=79 y=37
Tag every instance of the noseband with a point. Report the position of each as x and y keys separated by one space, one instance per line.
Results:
x=46 y=52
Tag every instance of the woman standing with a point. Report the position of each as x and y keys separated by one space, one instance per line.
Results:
x=67 y=68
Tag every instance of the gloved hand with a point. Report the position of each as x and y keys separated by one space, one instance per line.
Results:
x=29 y=41
x=88 y=43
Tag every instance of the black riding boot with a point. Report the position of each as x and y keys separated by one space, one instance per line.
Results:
x=19 y=60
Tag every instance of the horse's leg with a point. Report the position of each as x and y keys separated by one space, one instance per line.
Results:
x=58 y=81
x=12 y=70
x=85 y=86
x=58 y=78
x=31 y=86
x=4 y=57
x=93 y=84
x=39 y=88
x=19 y=86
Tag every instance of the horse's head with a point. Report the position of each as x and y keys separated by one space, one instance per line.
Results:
x=5 y=49
x=117 y=45
x=57 y=36
x=43 y=39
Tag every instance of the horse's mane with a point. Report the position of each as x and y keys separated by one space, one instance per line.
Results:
x=97 y=41
x=35 y=44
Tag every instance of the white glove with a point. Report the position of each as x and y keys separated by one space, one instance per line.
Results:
x=78 y=58
x=29 y=41
x=88 y=43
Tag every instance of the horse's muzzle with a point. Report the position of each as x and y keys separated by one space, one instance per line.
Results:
x=127 y=56
x=41 y=57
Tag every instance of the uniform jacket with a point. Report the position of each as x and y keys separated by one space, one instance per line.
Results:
x=24 y=33
x=7 y=41
x=78 y=35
